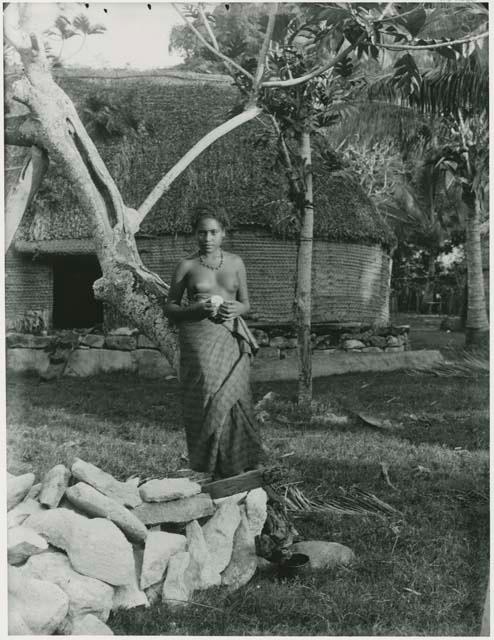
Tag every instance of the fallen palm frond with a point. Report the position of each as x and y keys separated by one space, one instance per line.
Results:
x=471 y=495
x=356 y=502
x=470 y=366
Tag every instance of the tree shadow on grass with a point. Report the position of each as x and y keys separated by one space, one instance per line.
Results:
x=453 y=412
x=468 y=431
x=114 y=398
x=461 y=430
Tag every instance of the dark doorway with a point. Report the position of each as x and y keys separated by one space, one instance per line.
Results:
x=74 y=305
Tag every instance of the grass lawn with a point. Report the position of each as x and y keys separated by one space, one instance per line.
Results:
x=425 y=574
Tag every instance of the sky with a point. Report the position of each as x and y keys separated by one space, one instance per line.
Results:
x=135 y=36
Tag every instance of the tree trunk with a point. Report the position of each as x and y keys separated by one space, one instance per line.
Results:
x=304 y=279
x=477 y=329
x=429 y=285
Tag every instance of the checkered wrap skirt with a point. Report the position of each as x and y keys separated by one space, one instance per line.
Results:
x=221 y=429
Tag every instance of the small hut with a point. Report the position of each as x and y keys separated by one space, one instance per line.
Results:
x=142 y=125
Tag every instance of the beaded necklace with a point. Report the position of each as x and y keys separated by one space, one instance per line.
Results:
x=209 y=266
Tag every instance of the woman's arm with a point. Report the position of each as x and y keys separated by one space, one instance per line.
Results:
x=243 y=293
x=173 y=308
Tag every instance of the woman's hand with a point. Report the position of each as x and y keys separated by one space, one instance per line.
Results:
x=230 y=309
x=206 y=308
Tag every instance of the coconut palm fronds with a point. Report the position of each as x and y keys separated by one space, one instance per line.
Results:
x=470 y=366
x=355 y=502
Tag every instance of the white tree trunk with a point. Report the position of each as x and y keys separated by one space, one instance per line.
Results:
x=477 y=326
x=304 y=280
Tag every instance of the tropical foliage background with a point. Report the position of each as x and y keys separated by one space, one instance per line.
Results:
x=410 y=123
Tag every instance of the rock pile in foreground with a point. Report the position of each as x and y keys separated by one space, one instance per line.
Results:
x=82 y=544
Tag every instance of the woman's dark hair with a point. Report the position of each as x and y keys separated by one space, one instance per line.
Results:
x=203 y=211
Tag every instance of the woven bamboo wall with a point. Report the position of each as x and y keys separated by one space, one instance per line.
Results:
x=350 y=281
x=28 y=286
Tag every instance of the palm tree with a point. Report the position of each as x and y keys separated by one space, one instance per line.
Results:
x=454 y=93
x=64 y=29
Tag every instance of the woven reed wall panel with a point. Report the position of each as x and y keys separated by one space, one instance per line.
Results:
x=350 y=282
x=28 y=285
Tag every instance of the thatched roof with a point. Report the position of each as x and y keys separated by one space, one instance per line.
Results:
x=160 y=117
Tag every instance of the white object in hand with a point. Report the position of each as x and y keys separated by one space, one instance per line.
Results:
x=216 y=301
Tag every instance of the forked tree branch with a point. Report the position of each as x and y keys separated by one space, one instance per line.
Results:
x=205 y=142
x=211 y=48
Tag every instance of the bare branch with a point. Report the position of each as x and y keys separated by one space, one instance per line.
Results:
x=439 y=45
x=211 y=48
x=347 y=50
x=208 y=28
x=273 y=8
x=212 y=36
x=294 y=178
x=205 y=142
x=315 y=72
x=21 y=195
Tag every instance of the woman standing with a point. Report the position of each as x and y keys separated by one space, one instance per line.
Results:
x=216 y=347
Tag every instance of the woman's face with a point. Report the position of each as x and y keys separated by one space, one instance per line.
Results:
x=209 y=234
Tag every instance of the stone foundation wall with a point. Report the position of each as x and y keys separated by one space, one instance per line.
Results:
x=350 y=337
x=81 y=354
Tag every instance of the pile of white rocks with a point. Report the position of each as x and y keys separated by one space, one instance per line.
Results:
x=82 y=544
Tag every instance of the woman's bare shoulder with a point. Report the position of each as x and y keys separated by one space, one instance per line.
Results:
x=233 y=258
x=184 y=266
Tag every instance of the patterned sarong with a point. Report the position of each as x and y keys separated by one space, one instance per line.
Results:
x=221 y=429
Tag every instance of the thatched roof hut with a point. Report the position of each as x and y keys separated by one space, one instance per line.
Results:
x=144 y=123
x=153 y=121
